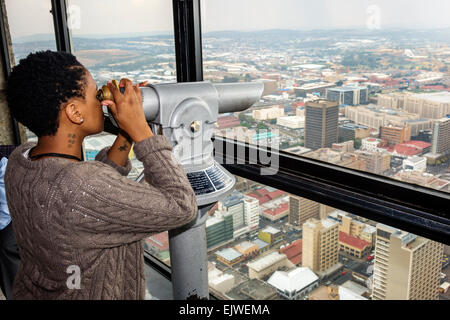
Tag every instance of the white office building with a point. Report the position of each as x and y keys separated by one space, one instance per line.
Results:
x=251 y=212
x=294 y=284
x=415 y=163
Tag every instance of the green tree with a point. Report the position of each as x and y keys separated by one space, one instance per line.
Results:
x=242 y=117
x=284 y=145
x=230 y=79
x=261 y=125
x=357 y=143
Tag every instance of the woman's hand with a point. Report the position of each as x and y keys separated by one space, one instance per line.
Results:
x=128 y=111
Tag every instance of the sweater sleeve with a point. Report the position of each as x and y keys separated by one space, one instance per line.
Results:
x=102 y=156
x=110 y=210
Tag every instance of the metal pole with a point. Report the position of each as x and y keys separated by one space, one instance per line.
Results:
x=188 y=259
x=188 y=40
x=188 y=245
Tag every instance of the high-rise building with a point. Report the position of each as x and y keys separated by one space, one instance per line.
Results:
x=268 y=113
x=441 y=136
x=345 y=146
x=351 y=226
x=406 y=267
x=394 y=135
x=351 y=131
x=325 y=211
x=321 y=123
x=349 y=95
x=219 y=228
x=345 y=159
x=270 y=235
x=370 y=144
x=302 y=209
x=312 y=88
x=251 y=212
x=376 y=162
x=374 y=117
x=320 y=245
x=423 y=179
x=426 y=105
x=292 y=122
x=234 y=203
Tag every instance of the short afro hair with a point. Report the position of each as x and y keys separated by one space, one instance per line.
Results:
x=40 y=84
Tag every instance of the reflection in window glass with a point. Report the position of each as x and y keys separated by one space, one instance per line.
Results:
x=116 y=39
x=132 y=40
x=360 y=85
x=264 y=243
x=31 y=30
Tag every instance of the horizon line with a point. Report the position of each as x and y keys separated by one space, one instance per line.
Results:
x=167 y=32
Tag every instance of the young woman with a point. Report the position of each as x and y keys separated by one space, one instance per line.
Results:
x=80 y=225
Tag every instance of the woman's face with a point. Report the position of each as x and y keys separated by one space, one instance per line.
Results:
x=93 y=118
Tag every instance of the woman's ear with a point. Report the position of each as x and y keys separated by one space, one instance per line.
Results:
x=73 y=113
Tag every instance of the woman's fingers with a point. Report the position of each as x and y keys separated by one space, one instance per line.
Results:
x=111 y=105
x=138 y=91
x=115 y=92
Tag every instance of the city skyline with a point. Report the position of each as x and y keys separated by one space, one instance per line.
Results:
x=391 y=90
x=156 y=16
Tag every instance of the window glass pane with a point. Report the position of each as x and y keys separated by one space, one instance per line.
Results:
x=264 y=243
x=360 y=84
x=115 y=40
x=124 y=39
x=31 y=30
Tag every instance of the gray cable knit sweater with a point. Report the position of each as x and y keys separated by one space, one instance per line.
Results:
x=88 y=219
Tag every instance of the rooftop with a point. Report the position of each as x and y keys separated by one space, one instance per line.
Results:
x=260 y=243
x=266 y=261
x=253 y=289
x=321 y=293
x=160 y=240
x=246 y=245
x=282 y=208
x=416 y=159
x=328 y=223
x=294 y=280
x=216 y=218
x=229 y=254
x=347 y=294
x=293 y=251
x=266 y=194
x=353 y=126
x=314 y=85
x=234 y=198
x=355 y=287
x=271 y=230
x=418 y=144
x=347 y=88
x=369 y=229
x=352 y=241
x=440 y=97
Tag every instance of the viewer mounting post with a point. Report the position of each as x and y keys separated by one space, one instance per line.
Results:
x=189 y=277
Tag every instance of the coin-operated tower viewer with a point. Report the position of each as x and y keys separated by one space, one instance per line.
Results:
x=186 y=113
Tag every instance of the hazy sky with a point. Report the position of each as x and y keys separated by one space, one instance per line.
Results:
x=119 y=16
